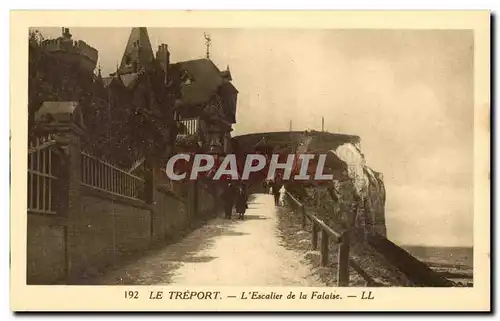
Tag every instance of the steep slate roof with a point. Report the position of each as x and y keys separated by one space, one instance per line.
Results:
x=206 y=80
x=138 y=49
x=126 y=80
x=227 y=74
x=106 y=81
x=129 y=80
x=228 y=88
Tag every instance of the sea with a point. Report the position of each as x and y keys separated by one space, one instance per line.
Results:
x=455 y=263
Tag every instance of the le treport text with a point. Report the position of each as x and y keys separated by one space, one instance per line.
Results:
x=246 y=295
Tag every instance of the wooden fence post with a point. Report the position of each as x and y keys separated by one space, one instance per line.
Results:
x=343 y=261
x=324 y=248
x=314 y=236
x=303 y=212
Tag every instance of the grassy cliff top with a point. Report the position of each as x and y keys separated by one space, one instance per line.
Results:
x=321 y=141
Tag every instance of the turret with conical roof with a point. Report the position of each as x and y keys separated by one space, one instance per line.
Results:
x=138 y=52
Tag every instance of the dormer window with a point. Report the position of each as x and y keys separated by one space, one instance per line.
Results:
x=186 y=78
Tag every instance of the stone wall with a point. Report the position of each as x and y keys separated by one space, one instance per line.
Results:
x=46 y=249
x=171 y=215
x=107 y=229
x=206 y=199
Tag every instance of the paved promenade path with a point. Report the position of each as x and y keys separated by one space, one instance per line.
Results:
x=224 y=252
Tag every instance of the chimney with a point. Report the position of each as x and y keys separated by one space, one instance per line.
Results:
x=163 y=57
x=65 y=33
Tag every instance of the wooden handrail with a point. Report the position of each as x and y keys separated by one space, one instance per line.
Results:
x=342 y=238
x=338 y=236
x=316 y=220
x=294 y=199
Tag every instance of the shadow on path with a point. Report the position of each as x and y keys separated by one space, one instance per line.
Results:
x=221 y=252
x=157 y=266
x=254 y=217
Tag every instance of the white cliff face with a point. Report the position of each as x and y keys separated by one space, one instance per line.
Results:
x=368 y=185
x=360 y=200
x=356 y=163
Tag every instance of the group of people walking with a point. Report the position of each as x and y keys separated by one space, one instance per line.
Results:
x=235 y=196
x=278 y=190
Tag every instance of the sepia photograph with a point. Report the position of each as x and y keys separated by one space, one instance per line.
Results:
x=276 y=160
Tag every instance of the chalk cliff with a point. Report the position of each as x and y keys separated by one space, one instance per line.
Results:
x=356 y=195
x=368 y=187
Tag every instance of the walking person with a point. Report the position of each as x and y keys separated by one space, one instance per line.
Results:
x=282 y=196
x=241 y=201
x=228 y=197
x=276 y=186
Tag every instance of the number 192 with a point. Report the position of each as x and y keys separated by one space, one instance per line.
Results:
x=131 y=294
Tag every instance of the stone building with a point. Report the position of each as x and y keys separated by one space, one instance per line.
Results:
x=207 y=106
x=94 y=196
x=67 y=49
x=141 y=85
x=142 y=106
x=128 y=114
x=59 y=69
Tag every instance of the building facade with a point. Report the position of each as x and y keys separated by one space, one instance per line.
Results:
x=207 y=105
x=148 y=106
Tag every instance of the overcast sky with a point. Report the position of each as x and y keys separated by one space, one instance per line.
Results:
x=407 y=94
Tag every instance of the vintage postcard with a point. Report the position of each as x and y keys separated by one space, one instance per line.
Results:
x=250 y=161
